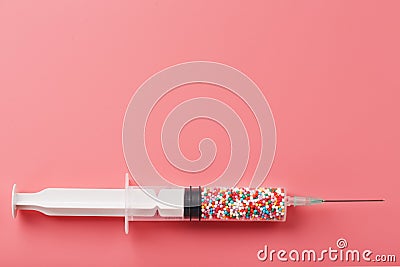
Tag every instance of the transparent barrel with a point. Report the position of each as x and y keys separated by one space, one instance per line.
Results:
x=243 y=204
x=206 y=204
x=154 y=203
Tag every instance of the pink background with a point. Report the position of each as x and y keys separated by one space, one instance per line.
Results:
x=329 y=69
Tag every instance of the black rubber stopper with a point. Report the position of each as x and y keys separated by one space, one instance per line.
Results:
x=186 y=203
x=192 y=203
x=195 y=208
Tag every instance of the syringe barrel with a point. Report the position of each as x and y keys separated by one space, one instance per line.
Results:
x=243 y=204
x=205 y=204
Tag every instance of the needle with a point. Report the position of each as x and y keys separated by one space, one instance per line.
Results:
x=307 y=201
x=352 y=200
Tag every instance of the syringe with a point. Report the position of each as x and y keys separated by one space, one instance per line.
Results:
x=154 y=203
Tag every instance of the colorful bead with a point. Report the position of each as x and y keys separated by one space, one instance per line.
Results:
x=260 y=204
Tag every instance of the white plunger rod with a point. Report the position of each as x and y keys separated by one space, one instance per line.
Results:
x=72 y=202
